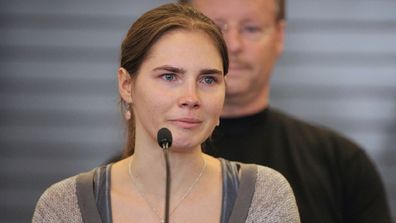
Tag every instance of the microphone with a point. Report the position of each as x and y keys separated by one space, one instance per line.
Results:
x=164 y=139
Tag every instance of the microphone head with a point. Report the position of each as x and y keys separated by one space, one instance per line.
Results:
x=164 y=138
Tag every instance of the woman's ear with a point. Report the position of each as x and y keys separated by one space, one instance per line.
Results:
x=125 y=85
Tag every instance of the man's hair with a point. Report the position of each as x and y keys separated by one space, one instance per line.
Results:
x=281 y=8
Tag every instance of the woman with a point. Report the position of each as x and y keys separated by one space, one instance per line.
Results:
x=173 y=62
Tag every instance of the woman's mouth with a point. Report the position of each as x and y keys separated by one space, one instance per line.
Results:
x=187 y=123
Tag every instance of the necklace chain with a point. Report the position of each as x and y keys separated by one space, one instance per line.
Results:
x=155 y=210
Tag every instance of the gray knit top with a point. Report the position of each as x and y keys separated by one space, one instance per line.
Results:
x=272 y=201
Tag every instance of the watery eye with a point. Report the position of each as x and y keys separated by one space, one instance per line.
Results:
x=168 y=77
x=209 y=80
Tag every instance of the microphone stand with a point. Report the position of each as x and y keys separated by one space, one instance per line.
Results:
x=164 y=139
x=167 y=185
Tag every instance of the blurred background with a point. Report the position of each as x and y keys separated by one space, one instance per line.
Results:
x=59 y=110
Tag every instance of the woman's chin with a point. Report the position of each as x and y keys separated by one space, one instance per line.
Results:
x=184 y=147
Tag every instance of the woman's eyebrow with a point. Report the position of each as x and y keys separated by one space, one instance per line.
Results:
x=211 y=71
x=170 y=69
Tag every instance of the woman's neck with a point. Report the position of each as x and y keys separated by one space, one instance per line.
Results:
x=192 y=177
x=149 y=170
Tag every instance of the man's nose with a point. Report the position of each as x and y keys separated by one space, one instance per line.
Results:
x=233 y=39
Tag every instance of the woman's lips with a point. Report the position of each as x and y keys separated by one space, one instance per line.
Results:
x=187 y=123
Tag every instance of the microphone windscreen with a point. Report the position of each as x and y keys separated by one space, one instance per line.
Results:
x=164 y=138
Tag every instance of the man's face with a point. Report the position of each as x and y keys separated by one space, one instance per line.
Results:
x=254 y=40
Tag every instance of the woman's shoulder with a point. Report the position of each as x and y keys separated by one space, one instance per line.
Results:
x=58 y=203
x=270 y=176
x=273 y=199
x=60 y=191
x=263 y=172
x=266 y=178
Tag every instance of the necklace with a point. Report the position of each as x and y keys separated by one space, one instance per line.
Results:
x=142 y=194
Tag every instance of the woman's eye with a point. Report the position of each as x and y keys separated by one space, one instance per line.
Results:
x=209 y=80
x=169 y=77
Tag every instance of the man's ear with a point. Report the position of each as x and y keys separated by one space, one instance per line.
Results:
x=125 y=84
x=281 y=29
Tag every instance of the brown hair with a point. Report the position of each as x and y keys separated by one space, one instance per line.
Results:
x=148 y=29
x=280 y=14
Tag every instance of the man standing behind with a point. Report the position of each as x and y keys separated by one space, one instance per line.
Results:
x=332 y=178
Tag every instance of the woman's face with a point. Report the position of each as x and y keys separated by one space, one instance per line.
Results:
x=180 y=86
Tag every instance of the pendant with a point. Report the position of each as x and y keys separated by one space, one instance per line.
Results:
x=162 y=221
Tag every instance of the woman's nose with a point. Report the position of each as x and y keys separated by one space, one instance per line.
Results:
x=190 y=98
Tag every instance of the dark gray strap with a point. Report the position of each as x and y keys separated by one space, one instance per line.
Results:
x=245 y=193
x=86 y=198
x=230 y=171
